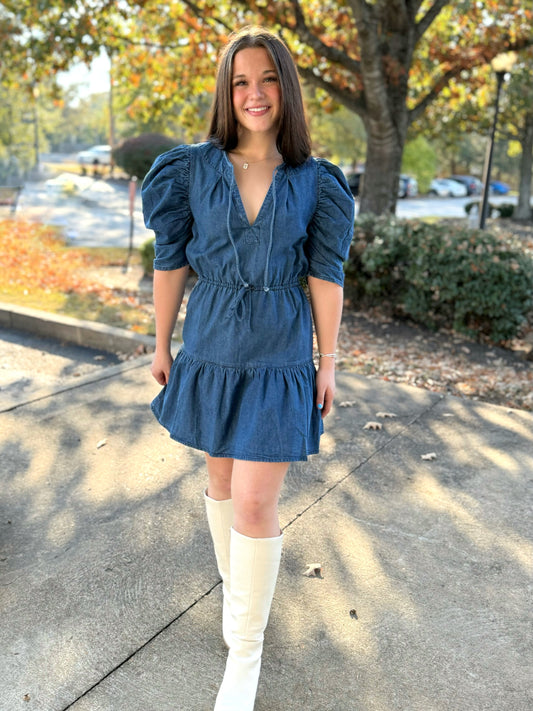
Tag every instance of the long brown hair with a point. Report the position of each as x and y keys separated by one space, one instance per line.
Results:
x=293 y=140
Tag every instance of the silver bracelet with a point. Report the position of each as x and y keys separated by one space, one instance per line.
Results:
x=327 y=355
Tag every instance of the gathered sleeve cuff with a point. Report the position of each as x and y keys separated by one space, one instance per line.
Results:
x=331 y=228
x=166 y=207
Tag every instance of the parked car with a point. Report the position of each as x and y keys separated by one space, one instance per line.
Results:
x=97 y=155
x=499 y=188
x=444 y=187
x=473 y=185
x=355 y=182
x=407 y=186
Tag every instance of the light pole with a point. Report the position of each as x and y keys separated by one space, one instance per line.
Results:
x=502 y=65
x=36 y=148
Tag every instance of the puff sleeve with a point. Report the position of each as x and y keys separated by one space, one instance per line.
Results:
x=166 y=207
x=331 y=227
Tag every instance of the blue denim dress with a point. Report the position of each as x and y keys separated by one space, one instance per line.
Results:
x=243 y=383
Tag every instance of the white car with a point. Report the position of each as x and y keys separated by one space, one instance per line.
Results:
x=97 y=155
x=443 y=187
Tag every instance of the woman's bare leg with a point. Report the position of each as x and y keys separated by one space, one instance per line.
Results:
x=255 y=490
x=219 y=470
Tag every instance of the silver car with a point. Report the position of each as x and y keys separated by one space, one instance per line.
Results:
x=97 y=155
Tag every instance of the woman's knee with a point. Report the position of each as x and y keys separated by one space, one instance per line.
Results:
x=255 y=507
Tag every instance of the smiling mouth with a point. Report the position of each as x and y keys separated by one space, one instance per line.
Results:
x=257 y=110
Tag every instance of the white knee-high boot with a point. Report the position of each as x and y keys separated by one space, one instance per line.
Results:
x=254 y=565
x=220 y=520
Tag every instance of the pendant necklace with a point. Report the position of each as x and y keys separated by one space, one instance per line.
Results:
x=248 y=163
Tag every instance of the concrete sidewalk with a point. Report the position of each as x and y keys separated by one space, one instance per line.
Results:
x=111 y=600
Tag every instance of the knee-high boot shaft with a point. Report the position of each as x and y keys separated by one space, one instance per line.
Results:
x=254 y=566
x=220 y=520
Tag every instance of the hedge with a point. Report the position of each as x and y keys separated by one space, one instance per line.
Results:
x=443 y=276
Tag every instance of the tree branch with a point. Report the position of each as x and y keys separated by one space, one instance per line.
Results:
x=446 y=78
x=331 y=53
x=424 y=24
x=343 y=96
x=196 y=10
x=144 y=43
x=412 y=7
x=399 y=7
x=422 y=105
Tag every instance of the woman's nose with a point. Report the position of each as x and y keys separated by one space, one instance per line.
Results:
x=257 y=88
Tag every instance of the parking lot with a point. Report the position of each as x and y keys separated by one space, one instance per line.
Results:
x=431 y=206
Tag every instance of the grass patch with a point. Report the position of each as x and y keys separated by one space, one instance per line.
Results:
x=119 y=314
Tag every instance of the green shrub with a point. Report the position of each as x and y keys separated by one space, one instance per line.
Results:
x=147 y=252
x=136 y=155
x=440 y=275
x=469 y=206
x=506 y=209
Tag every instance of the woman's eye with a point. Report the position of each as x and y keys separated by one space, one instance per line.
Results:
x=271 y=79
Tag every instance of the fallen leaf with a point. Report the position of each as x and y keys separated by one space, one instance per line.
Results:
x=385 y=414
x=373 y=426
x=314 y=570
x=347 y=403
x=429 y=457
x=101 y=443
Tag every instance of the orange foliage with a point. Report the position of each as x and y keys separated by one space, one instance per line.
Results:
x=35 y=258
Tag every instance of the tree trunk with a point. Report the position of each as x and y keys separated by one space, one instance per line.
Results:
x=523 y=210
x=386 y=36
x=383 y=165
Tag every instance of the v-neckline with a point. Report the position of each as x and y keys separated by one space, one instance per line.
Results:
x=239 y=199
x=260 y=211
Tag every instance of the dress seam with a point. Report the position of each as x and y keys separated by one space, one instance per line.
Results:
x=252 y=287
x=248 y=366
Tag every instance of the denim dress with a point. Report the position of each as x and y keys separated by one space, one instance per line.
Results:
x=243 y=383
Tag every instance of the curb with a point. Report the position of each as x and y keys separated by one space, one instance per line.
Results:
x=88 y=334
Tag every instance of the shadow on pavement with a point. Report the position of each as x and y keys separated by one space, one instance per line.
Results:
x=109 y=588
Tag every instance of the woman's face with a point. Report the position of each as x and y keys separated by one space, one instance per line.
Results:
x=256 y=91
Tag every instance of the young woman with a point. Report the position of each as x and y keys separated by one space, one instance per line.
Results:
x=253 y=214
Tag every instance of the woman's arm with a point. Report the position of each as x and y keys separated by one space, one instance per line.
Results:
x=326 y=304
x=169 y=287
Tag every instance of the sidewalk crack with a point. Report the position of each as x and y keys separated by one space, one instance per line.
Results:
x=362 y=463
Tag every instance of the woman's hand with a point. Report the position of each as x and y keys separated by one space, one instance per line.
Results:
x=161 y=365
x=325 y=385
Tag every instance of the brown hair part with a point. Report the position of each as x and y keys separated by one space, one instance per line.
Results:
x=293 y=140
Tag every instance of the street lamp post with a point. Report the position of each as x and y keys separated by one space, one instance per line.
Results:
x=36 y=148
x=502 y=65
